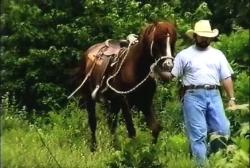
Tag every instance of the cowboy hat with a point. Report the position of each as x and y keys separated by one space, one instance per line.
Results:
x=202 y=28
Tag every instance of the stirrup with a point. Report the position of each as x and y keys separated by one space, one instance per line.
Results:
x=94 y=93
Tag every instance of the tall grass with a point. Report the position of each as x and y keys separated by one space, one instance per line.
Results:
x=61 y=139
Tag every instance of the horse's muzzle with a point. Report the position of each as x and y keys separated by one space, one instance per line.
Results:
x=168 y=64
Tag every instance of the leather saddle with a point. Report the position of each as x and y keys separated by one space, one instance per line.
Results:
x=105 y=54
x=114 y=46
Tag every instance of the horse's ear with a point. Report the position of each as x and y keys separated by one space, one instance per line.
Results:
x=155 y=22
x=172 y=20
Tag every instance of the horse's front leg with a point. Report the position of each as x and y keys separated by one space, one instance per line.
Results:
x=128 y=119
x=151 y=121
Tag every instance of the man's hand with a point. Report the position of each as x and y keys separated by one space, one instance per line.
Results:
x=231 y=103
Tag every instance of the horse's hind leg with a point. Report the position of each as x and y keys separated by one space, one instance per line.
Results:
x=112 y=115
x=128 y=119
x=151 y=121
x=92 y=121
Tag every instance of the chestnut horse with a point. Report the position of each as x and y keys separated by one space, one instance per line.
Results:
x=124 y=79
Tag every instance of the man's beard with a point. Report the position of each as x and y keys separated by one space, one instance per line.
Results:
x=203 y=44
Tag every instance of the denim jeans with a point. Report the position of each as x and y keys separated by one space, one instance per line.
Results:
x=203 y=113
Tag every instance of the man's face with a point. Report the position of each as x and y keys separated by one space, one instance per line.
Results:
x=202 y=42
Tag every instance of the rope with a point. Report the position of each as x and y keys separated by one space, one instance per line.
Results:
x=115 y=74
x=139 y=84
x=48 y=149
x=87 y=76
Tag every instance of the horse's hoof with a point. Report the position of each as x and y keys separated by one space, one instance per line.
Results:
x=154 y=141
x=132 y=135
x=93 y=147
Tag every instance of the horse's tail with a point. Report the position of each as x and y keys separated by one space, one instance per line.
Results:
x=77 y=74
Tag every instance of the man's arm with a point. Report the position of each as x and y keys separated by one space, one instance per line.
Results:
x=228 y=87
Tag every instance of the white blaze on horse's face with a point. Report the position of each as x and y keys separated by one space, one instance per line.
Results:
x=168 y=63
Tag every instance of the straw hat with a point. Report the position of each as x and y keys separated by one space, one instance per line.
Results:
x=203 y=28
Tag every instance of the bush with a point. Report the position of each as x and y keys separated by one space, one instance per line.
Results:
x=242 y=88
x=236 y=47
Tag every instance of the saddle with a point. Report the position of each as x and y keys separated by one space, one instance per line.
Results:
x=107 y=54
x=104 y=55
x=114 y=46
x=106 y=50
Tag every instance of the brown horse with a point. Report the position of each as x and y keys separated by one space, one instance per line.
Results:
x=121 y=77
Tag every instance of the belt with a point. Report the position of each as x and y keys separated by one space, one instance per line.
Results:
x=207 y=87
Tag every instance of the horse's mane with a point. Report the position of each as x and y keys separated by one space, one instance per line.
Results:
x=146 y=31
x=148 y=28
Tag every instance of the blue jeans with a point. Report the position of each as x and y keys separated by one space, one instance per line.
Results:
x=203 y=113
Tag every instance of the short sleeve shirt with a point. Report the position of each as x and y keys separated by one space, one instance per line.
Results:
x=200 y=67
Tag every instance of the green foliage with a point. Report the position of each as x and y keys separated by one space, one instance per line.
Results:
x=35 y=53
x=242 y=88
x=66 y=133
x=135 y=154
x=226 y=13
x=235 y=158
x=239 y=122
x=236 y=154
x=236 y=47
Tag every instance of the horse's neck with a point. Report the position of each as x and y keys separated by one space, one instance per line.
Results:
x=141 y=60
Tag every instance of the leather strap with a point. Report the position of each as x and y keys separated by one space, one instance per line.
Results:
x=207 y=87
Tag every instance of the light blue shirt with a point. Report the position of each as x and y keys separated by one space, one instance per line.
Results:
x=196 y=67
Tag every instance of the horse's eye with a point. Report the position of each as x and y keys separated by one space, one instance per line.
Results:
x=163 y=44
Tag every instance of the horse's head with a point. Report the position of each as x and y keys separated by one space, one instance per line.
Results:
x=159 y=39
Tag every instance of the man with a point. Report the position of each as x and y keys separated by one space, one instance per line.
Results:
x=202 y=70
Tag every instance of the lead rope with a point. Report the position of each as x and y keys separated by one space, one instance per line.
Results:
x=140 y=83
x=46 y=146
x=136 y=86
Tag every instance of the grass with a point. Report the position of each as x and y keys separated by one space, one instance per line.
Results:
x=66 y=135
